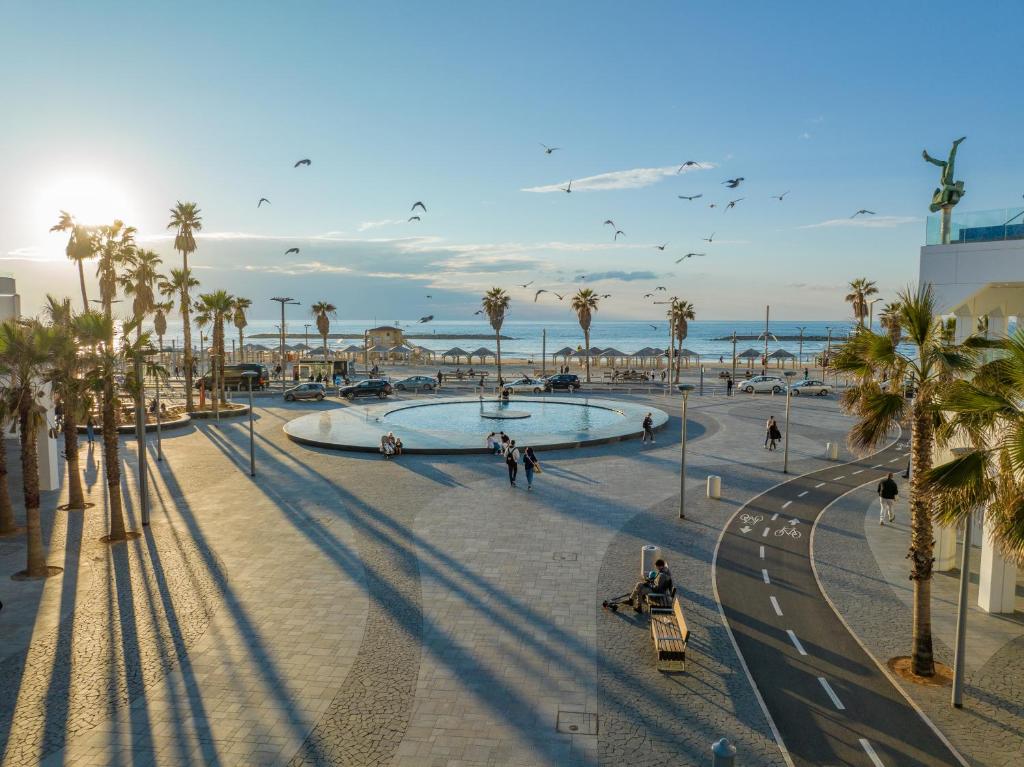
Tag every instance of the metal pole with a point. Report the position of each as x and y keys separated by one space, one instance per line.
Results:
x=544 y=351
x=685 y=389
x=734 y=358
x=159 y=416
x=789 y=401
x=961 y=619
x=252 y=444
x=282 y=346
x=140 y=439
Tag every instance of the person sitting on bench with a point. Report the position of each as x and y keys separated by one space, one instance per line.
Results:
x=658 y=581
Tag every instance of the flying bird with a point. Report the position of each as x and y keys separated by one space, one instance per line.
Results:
x=567 y=189
x=780 y=196
x=418 y=204
x=560 y=296
x=709 y=239
x=528 y=284
x=306 y=162
x=712 y=205
x=661 y=287
x=414 y=218
x=617 y=233
x=610 y=223
x=262 y=200
x=291 y=250
x=732 y=183
x=428 y=318
x=688 y=164
x=863 y=212
x=689 y=196
x=606 y=295
x=689 y=255
x=582 y=277
x=479 y=311
x=535 y=295
x=648 y=295
x=653 y=326
x=550 y=149
x=732 y=203
x=429 y=296
x=661 y=247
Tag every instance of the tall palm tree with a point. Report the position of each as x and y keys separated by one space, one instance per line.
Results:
x=105 y=363
x=889 y=319
x=495 y=303
x=69 y=385
x=25 y=348
x=80 y=247
x=679 y=317
x=986 y=413
x=115 y=245
x=186 y=221
x=240 y=307
x=160 y=310
x=860 y=289
x=584 y=303
x=7 y=524
x=177 y=286
x=872 y=358
x=218 y=305
x=139 y=280
x=322 y=312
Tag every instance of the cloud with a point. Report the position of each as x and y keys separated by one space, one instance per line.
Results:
x=805 y=135
x=634 y=178
x=622 y=276
x=377 y=224
x=310 y=267
x=813 y=286
x=865 y=222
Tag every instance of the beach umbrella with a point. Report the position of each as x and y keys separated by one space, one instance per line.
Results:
x=565 y=351
x=750 y=354
x=684 y=352
x=457 y=352
x=483 y=353
x=781 y=355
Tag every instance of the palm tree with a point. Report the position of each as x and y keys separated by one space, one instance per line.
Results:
x=68 y=384
x=7 y=524
x=860 y=289
x=139 y=281
x=105 y=362
x=986 y=413
x=323 y=311
x=25 y=348
x=218 y=305
x=238 y=317
x=115 y=245
x=889 y=319
x=185 y=219
x=873 y=358
x=160 y=310
x=495 y=305
x=584 y=303
x=177 y=286
x=679 y=317
x=80 y=247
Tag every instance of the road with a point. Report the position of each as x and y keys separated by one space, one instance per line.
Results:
x=830 y=702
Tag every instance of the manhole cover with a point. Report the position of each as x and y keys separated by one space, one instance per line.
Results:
x=576 y=723
x=565 y=556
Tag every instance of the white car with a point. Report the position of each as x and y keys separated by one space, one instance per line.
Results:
x=810 y=386
x=762 y=384
x=521 y=385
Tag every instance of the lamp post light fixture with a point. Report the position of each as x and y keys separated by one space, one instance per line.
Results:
x=685 y=389
x=789 y=401
x=800 y=351
x=871 y=312
x=249 y=375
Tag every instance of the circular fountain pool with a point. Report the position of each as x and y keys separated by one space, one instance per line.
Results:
x=460 y=425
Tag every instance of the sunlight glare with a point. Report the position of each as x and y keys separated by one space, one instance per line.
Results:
x=91 y=198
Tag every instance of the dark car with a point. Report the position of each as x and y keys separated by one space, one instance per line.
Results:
x=234 y=378
x=314 y=390
x=371 y=387
x=569 y=381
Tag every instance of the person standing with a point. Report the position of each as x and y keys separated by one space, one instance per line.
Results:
x=728 y=386
x=512 y=462
x=648 y=424
x=768 y=429
x=531 y=465
x=887 y=492
x=774 y=435
x=90 y=429
x=439 y=377
x=807 y=373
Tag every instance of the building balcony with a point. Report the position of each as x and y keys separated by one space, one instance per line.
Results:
x=978 y=226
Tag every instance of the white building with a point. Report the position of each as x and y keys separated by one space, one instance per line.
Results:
x=978 y=277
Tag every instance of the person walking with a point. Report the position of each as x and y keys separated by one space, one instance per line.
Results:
x=774 y=435
x=531 y=465
x=768 y=429
x=512 y=462
x=887 y=492
x=439 y=377
x=807 y=373
x=90 y=429
x=728 y=386
x=648 y=424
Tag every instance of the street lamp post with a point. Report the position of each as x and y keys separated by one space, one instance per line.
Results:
x=828 y=350
x=800 y=352
x=249 y=375
x=685 y=389
x=140 y=440
x=871 y=312
x=159 y=416
x=734 y=358
x=789 y=401
x=283 y=300
x=959 y=658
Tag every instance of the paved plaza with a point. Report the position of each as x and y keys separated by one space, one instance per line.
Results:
x=342 y=609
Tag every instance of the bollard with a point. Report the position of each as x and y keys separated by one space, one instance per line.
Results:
x=648 y=555
x=723 y=754
x=832 y=451
x=714 y=486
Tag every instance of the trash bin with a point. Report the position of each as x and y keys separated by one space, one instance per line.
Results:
x=714 y=486
x=832 y=451
x=648 y=555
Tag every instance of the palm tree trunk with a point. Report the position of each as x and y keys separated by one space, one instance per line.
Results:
x=7 y=525
x=215 y=403
x=586 y=343
x=325 y=355
x=76 y=495
x=111 y=466
x=921 y=540
x=497 y=357
x=36 y=561
x=241 y=344
x=81 y=282
x=187 y=332
x=671 y=349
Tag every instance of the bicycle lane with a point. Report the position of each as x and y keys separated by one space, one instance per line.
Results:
x=829 y=701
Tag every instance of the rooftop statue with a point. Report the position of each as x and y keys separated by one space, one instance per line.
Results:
x=950 y=190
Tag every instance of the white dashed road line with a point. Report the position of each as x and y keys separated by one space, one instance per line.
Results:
x=762 y=552
x=786 y=504
x=871 y=753
x=775 y=516
x=831 y=694
x=892 y=461
x=765 y=533
x=820 y=484
x=859 y=471
x=796 y=642
x=775 y=604
x=841 y=476
x=878 y=466
x=764 y=574
x=805 y=492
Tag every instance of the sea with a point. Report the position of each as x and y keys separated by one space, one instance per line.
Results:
x=525 y=338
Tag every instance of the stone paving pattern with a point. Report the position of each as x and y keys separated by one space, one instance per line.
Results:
x=989 y=730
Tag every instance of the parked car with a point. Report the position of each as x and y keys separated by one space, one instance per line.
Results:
x=569 y=381
x=810 y=386
x=416 y=382
x=315 y=391
x=233 y=378
x=526 y=384
x=762 y=384
x=371 y=387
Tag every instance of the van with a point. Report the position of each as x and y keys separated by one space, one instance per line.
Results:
x=234 y=378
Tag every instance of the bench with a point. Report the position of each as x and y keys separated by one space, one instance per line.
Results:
x=670 y=635
x=660 y=602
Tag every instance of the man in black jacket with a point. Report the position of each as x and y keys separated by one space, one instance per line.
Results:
x=660 y=582
x=887 y=492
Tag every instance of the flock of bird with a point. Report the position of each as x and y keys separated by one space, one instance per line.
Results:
x=731 y=183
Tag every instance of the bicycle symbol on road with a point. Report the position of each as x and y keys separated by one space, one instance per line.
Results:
x=792 y=532
x=750 y=519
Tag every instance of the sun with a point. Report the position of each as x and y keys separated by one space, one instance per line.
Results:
x=92 y=198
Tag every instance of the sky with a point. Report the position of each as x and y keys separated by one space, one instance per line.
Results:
x=118 y=109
